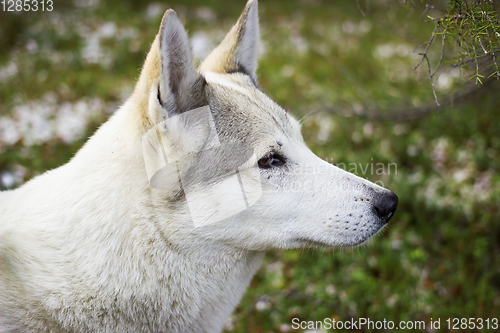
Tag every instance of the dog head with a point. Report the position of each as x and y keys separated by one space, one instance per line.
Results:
x=230 y=165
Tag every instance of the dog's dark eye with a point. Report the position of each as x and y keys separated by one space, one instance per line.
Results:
x=271 y=159
x=266 y=161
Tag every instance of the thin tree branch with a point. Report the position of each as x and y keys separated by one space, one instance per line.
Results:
x=429 y=43
x=442 y=50
x=359 y=8
x=478 y=33
x=475 y=59
x=493 y=52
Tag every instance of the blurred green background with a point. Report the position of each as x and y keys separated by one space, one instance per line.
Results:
x=63 y=73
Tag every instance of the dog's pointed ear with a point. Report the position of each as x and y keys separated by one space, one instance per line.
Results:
x=179 y=81
x=239 y=49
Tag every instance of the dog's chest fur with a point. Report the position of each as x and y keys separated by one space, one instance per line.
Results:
x=124 y=275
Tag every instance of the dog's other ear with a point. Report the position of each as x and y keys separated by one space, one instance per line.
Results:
x=239 y=49
x=179 y=82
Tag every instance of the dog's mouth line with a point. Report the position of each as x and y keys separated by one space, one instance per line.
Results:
x=352 y=243
x=314 y=243
x=311 y=242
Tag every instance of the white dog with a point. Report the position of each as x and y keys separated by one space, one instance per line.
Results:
x=160 y=221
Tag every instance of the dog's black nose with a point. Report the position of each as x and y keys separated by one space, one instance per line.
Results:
x=385 y=205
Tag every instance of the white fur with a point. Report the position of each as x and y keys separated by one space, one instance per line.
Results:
x=222 y=80
x=92 y=247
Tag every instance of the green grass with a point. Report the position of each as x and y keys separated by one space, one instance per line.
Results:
x=438 y=258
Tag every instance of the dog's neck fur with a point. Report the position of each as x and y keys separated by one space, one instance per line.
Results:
x=210 y=276
x=207 y=274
